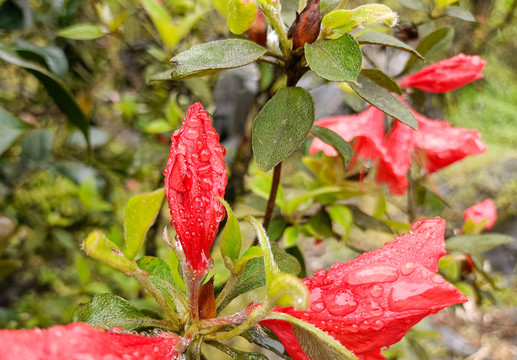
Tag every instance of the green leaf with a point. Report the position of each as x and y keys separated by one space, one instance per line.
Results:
x=15 y=14
x=377 y=38
x=37 y=147
x=158 y=126
x=383 y=100
x=344 y=21
x=459 y=13
x=320 y=225
x=281 y=126
x=251 y=253
x=415 y=4
x=231 y=238
x=260 y=184
x=330 y=137
x=270 y=266
x=242 y=14
x=10 y=129
x=162 y=20
x=51 y=57
x=432 y=47
x=342 y=216
x=141 y=211
x=316 y=344
x=214 y=56
x=293 y=204
x=335 y=59
x=98 y=246
x=56 y=89
x=108 y=311
x=83 y=32
x=476 y=244
x=266 y=339
x=365 y=221
x=382 y=80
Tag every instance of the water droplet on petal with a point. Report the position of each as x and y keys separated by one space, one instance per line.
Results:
x=378 y=324
x=354 y=328
x=204 y=155
x=437 y=279
x=407 y=268
x=376 y=309
x=191 y=133
x=372 y=274
x=318 y=306
x=341 y=302
x=376 y=290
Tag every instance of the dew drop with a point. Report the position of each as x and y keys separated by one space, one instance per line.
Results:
x=378 y=324
x=372 y=274
x=376 y=290
x=318 y=306
x=191 y=133
x=376 y=309
x=407 y=268
x=206 y=183
x=204 y=169
x=412 y=295
x=204 y=155
x=341 y=302
x=354 y=328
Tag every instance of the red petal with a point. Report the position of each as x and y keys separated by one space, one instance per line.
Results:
x=374 y=355
x=194 y=177
x=80 y=341
x=372 y=301
x=485 y=210
x=446 y=75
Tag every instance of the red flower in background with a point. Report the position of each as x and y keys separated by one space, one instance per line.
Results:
x=446 y=75
x=80 y=341
x=372 y=301
x=194 y=177
x=482 y=211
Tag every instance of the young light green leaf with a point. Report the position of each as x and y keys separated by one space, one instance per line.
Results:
x=98 y=246
x=335 y=59
x=260 y=184
x=383 y=100
x=476 y=244
x=231 y=238
x=108 y=311
x=344 y=21
x=382 y=80
x=330 y=137
x=241 y=15
x=293 y=204
x=432 y=47
x=342 y=216
x=83 y=32
x=377 y=38
x=10 y=129
x=315 y=343
x=141 y=211
x=289 y=290
x=251 y=253
x=365 y=221
x=270 y=266
x=281 y=126
x=215 y=56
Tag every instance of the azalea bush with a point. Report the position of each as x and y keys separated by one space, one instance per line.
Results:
x=349 y=310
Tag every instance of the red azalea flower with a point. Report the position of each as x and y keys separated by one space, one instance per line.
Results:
x=80 y=341
x=372 y=301
x=367 y=128
x=194 y=177
x=482 y=211
x=446 y=75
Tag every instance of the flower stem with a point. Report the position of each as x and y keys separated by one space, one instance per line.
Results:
x=228 y=287
x=272 y=195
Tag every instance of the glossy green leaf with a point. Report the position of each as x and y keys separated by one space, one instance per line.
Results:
x=251 y=253
x=98 y=246
x=342 y=216
x=476 y=244
x=85 y=31
x=344 y=21
x=383 y=100
x=141 y=211
x=214 y=56
x=281 y=126
x=241 y=14
x=289 y=290
x=330 y=137
x=335 y=59
x=382 y=80
x=108 y=311
x=377 y=38
x=315 y=343
x=56 y=89
x=433 y=47
x=10 y=129
x=51 y=57
x=459 y=13
x=415 y=4
x=231 y=237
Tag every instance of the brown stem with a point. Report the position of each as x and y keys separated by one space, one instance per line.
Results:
x=411 y=205
x=272 y=195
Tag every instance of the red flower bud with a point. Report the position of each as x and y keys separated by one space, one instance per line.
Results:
x=258 y=30
x=446 y=75
x=81 y=341
x=195 y=176
x=482 y=211
x=306 y=27
x=372 y=301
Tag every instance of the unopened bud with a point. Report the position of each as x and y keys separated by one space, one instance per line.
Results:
x=258 y=30
x=306 y=26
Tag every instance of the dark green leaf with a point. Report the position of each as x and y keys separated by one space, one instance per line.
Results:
x=377 y=38
x=281 y=126
x=269 y=341
x=433 y=47
x=415 y=4
x=316 y=344
x=10 y=129
x=295 y=251
x=382 y=80
x=108 y=311
x=214 y=56
x=320 y=225
x=15 y=14
x=459 y=13
x=383 y=100
x=52 y=57
x=476 y=244
x=231 y=238
x=330 y=137
x=275 y=229
x=237 y=354
x=365 y=221
x=56 y=89
x=36 y=147
x=141 y=211
x=335 y=59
